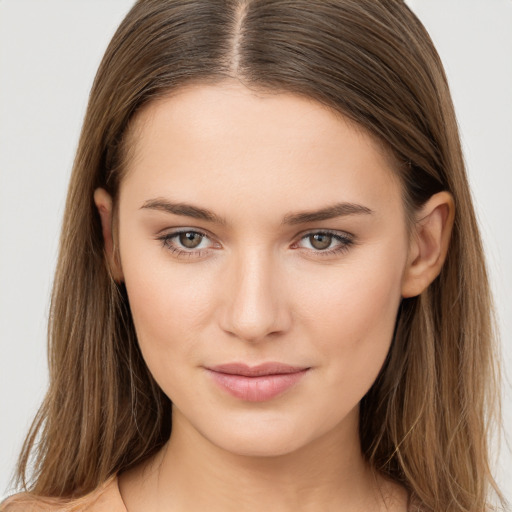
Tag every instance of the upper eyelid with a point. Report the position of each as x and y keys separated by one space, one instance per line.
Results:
x=338 y=232
x=176 y=231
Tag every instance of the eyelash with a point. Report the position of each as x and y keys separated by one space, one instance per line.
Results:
x=345 y=242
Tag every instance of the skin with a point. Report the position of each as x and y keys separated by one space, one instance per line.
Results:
x=261 y=291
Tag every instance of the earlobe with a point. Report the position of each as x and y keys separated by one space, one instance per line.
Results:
x=103 y=202
x=429 y=244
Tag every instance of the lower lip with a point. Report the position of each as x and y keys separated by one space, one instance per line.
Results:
x=257 y=389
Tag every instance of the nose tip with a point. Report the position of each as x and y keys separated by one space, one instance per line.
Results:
x=249 y=326
x=255 y=303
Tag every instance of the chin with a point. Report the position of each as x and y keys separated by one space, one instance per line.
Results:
x=268 y=436
x=261 y=445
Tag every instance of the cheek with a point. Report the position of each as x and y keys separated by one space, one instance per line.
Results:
x=352 y=318
x=169 y=306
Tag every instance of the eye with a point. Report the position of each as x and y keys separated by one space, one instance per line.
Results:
x=186 y=243
x=326 y=242
x=189 y=243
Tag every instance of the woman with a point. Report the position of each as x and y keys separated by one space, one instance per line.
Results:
x=269 y=227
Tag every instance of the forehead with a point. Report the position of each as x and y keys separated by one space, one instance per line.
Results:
x=211 y=142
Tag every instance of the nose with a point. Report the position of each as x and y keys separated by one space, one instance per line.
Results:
x=255 y=302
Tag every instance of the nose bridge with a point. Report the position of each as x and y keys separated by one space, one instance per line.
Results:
x=254 y=305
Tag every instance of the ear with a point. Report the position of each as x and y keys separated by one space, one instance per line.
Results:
x=103 y=202
x=430 y=239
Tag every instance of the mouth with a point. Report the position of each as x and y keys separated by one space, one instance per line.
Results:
x=256 y=383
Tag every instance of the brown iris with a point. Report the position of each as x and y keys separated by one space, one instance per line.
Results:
x=190 y=240
x=320 y=241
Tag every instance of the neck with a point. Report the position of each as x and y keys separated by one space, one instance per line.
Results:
x=193 y=474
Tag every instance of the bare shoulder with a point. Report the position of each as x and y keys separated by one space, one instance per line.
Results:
x=24 y=502
x=105 y=498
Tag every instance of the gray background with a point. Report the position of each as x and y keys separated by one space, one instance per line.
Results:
x=49 y=52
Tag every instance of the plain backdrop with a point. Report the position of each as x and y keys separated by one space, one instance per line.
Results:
x=49 y=52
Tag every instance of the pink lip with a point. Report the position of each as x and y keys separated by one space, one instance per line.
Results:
x=256 y=383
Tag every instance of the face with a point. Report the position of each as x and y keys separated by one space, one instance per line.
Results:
x=262 y=241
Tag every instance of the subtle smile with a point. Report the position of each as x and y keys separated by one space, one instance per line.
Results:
x=257 y=383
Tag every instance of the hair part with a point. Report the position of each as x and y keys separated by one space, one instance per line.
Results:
x=369 y=60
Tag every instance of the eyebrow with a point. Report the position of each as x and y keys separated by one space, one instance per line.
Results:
x=330 y=212
x=189 y=210
x=184 y=209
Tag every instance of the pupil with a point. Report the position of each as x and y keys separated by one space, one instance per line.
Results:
x=320 y=241
x=190 y=240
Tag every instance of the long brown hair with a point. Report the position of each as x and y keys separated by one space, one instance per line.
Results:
x=425 y=421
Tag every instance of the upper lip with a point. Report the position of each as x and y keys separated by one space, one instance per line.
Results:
x=271 y=368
